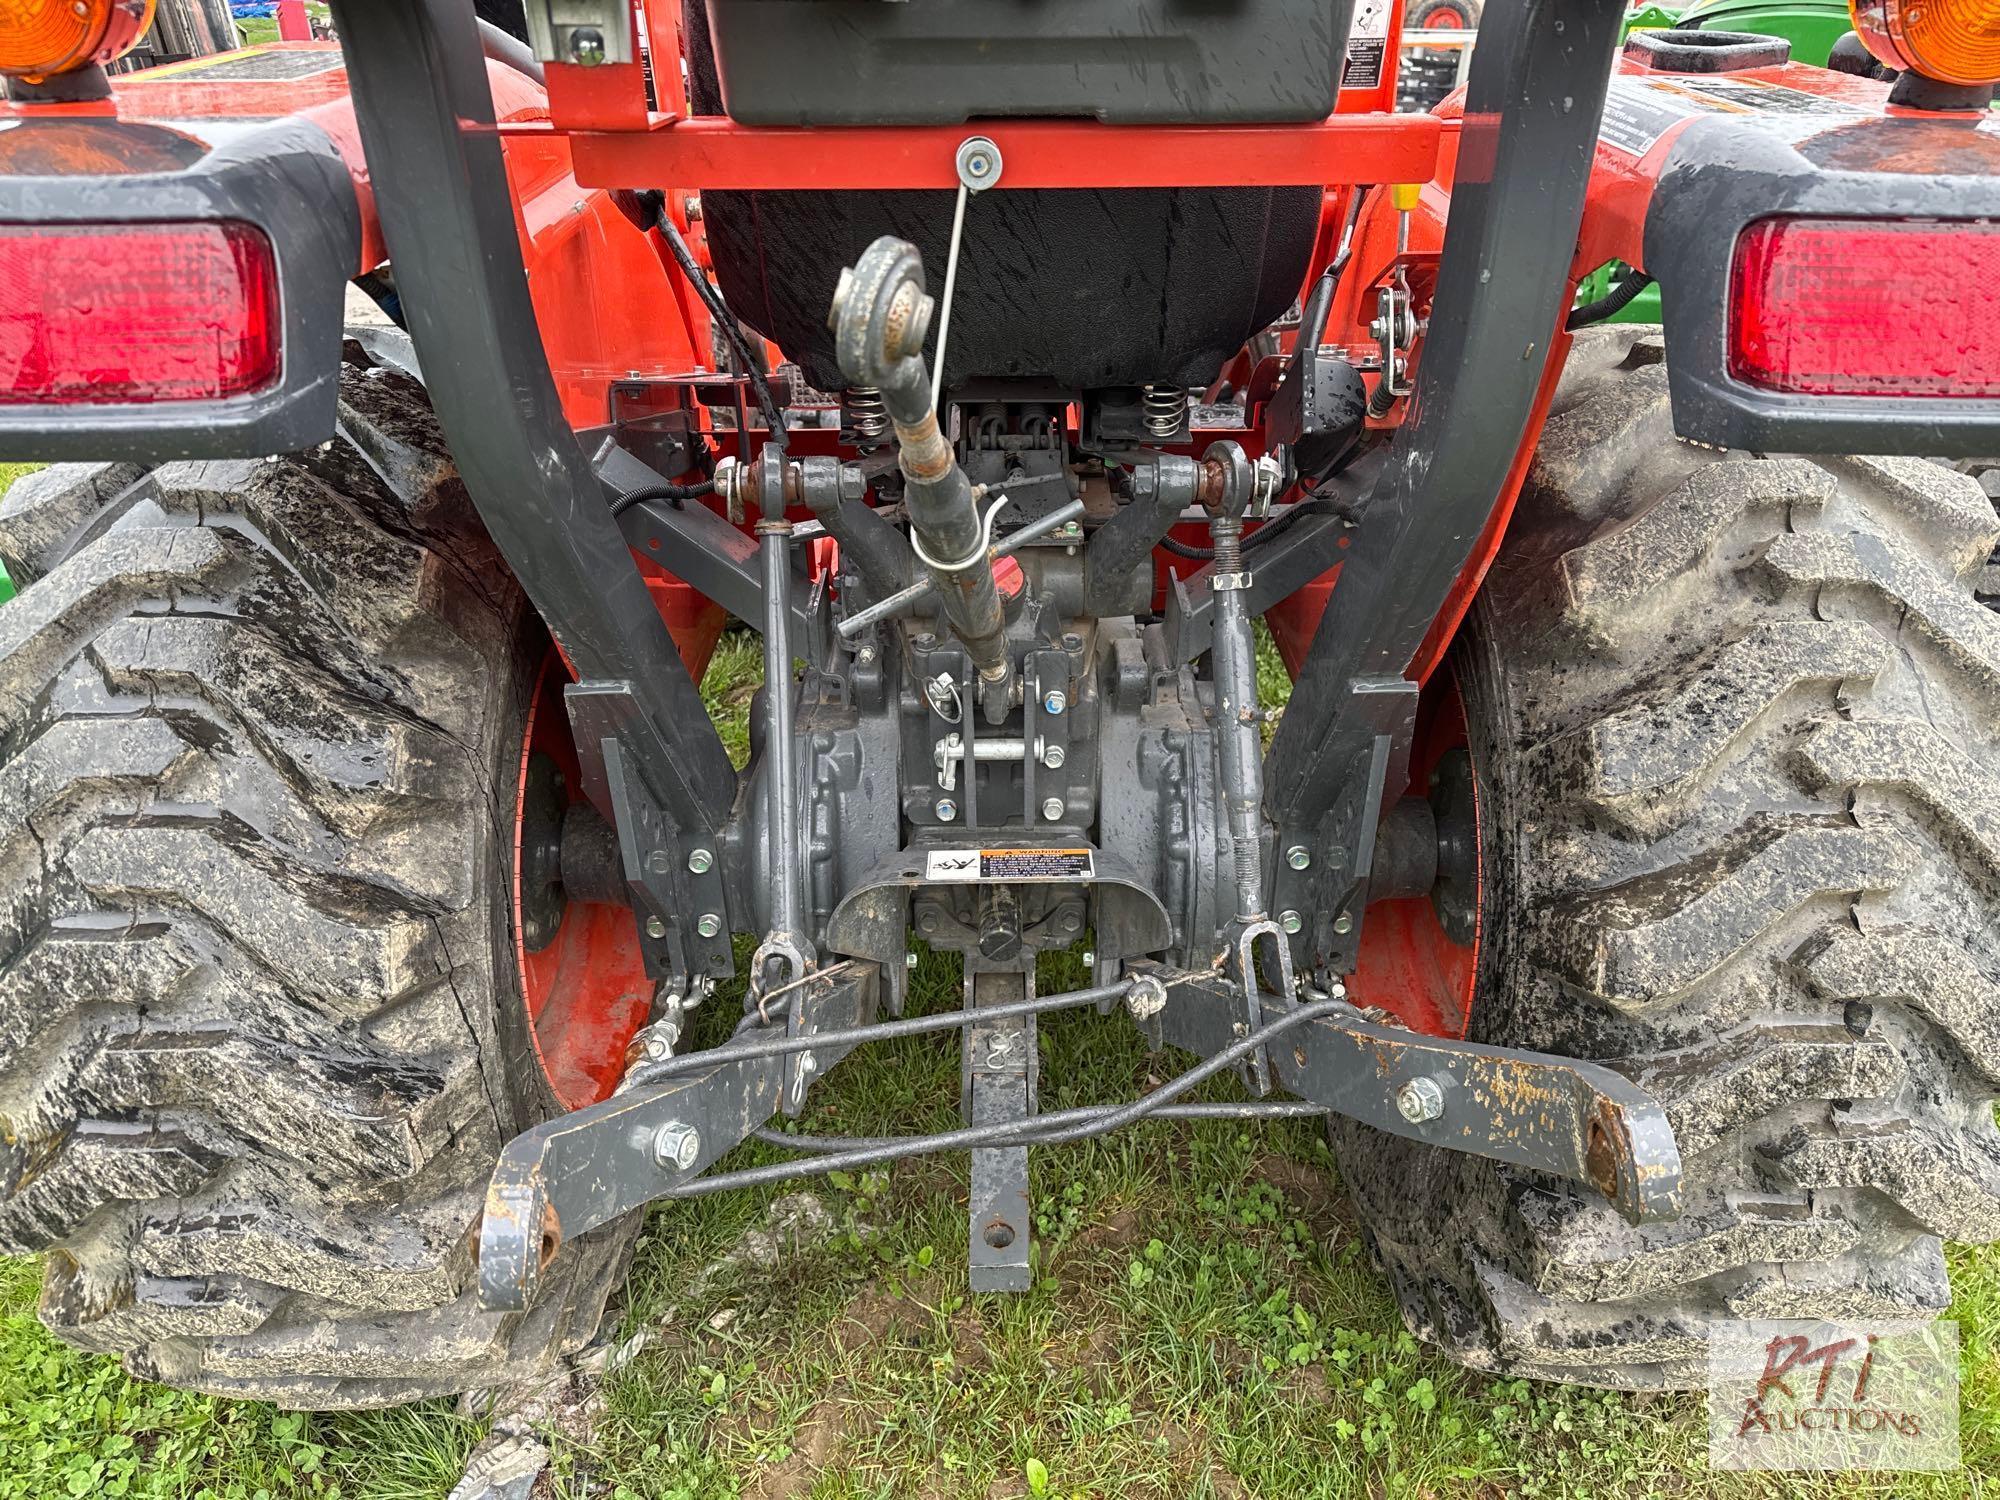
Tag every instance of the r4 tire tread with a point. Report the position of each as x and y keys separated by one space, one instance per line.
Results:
x=258 y=722
x=1737 y=729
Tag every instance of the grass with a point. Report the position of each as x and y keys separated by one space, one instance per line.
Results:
x=257 y=29
x=1204 y=1324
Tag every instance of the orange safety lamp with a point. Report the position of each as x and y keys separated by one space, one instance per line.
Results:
x=41 y=37
x=1952 y=41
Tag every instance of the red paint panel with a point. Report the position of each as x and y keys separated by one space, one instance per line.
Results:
x=715 y=152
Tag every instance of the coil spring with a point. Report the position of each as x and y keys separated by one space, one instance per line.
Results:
x=1165 y=409
x=864 y=414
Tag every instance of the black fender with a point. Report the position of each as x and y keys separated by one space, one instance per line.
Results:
x=1720 y=177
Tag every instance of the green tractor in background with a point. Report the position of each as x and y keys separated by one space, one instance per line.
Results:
x=1811 y=26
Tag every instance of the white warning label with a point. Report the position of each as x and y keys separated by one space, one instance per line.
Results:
x=1639 y=111
x=967 y=866
x=1367 y=46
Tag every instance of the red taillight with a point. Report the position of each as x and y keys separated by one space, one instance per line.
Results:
x=103 y=313
x=1859 y=307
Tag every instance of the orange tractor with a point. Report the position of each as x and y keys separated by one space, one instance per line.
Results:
x=1620 y=882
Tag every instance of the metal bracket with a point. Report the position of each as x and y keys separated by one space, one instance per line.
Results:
x=1334 y=884
x=589 y=33
x=1284 y=566
x=1573 y=1119
x=682 y=910
x=999 y=1070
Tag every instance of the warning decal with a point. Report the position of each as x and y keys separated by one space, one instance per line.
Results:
x=1638 y=111
x=1367 y=46
x=966 y=866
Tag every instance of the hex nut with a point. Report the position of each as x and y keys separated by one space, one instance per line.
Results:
x=978 y=163
x=676 y=1144
x=1420 y=1101
x=708 y=924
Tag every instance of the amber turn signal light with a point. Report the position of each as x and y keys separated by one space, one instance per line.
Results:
x=1953 y=41
x=40 y=37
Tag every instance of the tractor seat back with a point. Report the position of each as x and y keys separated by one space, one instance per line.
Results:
x=1074 y=287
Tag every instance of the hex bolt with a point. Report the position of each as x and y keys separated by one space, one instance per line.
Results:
x=1052 y=808
x=1344 y=923
x=1090 y=958
x=1053 y=757
x=708 y=925
x=865 y=655
x=1056 y=701
x=586 y=46
x=1420 y=1100
x=946 y=809
x=910 y=958
x=700 y=861
x=676 y=1144
x=1299 y=857
x=655 y=928
x=1291 y=921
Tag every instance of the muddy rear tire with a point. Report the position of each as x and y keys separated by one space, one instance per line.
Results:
x=260 y=1028
x=1734 y=721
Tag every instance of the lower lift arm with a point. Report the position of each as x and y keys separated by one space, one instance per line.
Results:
x=674 y=1119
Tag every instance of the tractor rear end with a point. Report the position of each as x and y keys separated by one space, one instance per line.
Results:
x=1618 y=882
